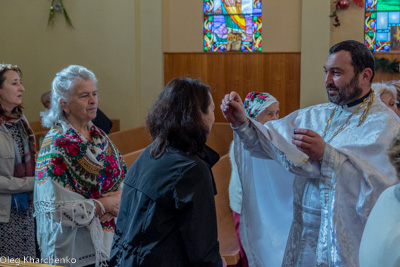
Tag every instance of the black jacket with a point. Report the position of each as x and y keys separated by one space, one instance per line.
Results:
x=167 y=215
x=102 y=121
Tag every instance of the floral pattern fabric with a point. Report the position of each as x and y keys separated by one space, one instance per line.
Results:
x=72 y=172
x=89 y=168
x=257 y=102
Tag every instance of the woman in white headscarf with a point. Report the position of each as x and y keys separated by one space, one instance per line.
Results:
x=388 y=94
x=260 y=200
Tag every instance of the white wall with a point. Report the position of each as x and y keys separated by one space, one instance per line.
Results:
x=116 y=39
x=351 y=25
x=314 y=50
x=318 y=35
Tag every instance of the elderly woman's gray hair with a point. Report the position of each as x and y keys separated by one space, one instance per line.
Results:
x=381 y=88
x=63 y=86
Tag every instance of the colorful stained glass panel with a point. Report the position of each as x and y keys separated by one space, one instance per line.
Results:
x=232 y=25
x=382 y=20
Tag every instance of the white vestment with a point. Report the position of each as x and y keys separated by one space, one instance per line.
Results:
x=266 y=207
x=332 y=198
x=381 y=238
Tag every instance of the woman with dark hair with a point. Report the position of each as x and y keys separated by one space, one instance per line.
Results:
x=167 y=215
x=17 y=169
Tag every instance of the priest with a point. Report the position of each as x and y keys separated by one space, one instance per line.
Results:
x=338 y=154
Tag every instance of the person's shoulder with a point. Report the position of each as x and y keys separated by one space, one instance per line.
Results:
x=319 y=112
x=318 y=107
x=314 y=109
x=48 y=145
x=380 y=111
x=169 y=165
x=23 y=117
x=53 y=133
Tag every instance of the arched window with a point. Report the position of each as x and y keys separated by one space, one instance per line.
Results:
x=232 y=25
x=382 y=25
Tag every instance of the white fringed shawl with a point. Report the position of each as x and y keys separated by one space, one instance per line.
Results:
x=71 y=173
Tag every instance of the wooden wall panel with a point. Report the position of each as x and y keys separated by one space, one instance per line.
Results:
x=381 y=76
x=276 y=73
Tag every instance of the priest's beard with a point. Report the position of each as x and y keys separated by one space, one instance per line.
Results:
x=346 y=93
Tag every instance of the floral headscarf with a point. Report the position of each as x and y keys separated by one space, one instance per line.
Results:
x=257 y=102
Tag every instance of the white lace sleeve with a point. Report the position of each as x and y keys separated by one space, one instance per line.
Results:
x=69 y=208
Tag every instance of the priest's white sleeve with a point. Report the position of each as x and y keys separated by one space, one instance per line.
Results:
x=265 y=143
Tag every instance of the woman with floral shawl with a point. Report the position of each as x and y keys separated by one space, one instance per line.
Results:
x=79 y=173
x=17 y=166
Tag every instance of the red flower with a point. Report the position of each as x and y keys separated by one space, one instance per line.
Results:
x=40 y=174
x=58 y=170
x=109 y=223
x=94 y=192
x=112 y=161
x=109 y=171
x=61 y=142
x=95 y=195
x=59 y=166
x=262 y=96
x=107 y=184
x=94 y=132
x=73 y=149
x=116 y=173
x=58 y=161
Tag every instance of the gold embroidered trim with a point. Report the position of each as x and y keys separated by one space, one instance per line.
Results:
x=362 y=118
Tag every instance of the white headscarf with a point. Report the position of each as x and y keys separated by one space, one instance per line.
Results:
x=257 y=102
x=380 y=88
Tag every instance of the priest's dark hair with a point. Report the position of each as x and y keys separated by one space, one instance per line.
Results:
x=361 y=56
x=175 y=119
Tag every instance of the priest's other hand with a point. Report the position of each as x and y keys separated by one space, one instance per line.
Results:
x=309 y=142
x=233 y=110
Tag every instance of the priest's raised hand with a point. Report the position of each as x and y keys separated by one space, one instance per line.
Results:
x=233 y=110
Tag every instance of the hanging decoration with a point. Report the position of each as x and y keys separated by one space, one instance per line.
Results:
x=339 y=4
x=58 y=6
x=384 y=65
x=359 y=3
x=342 y=5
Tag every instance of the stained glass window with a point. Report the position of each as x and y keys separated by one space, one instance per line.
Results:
x=382 y=25
x=232 y=25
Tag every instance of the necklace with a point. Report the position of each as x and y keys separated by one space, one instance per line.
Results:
x=362 y=118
